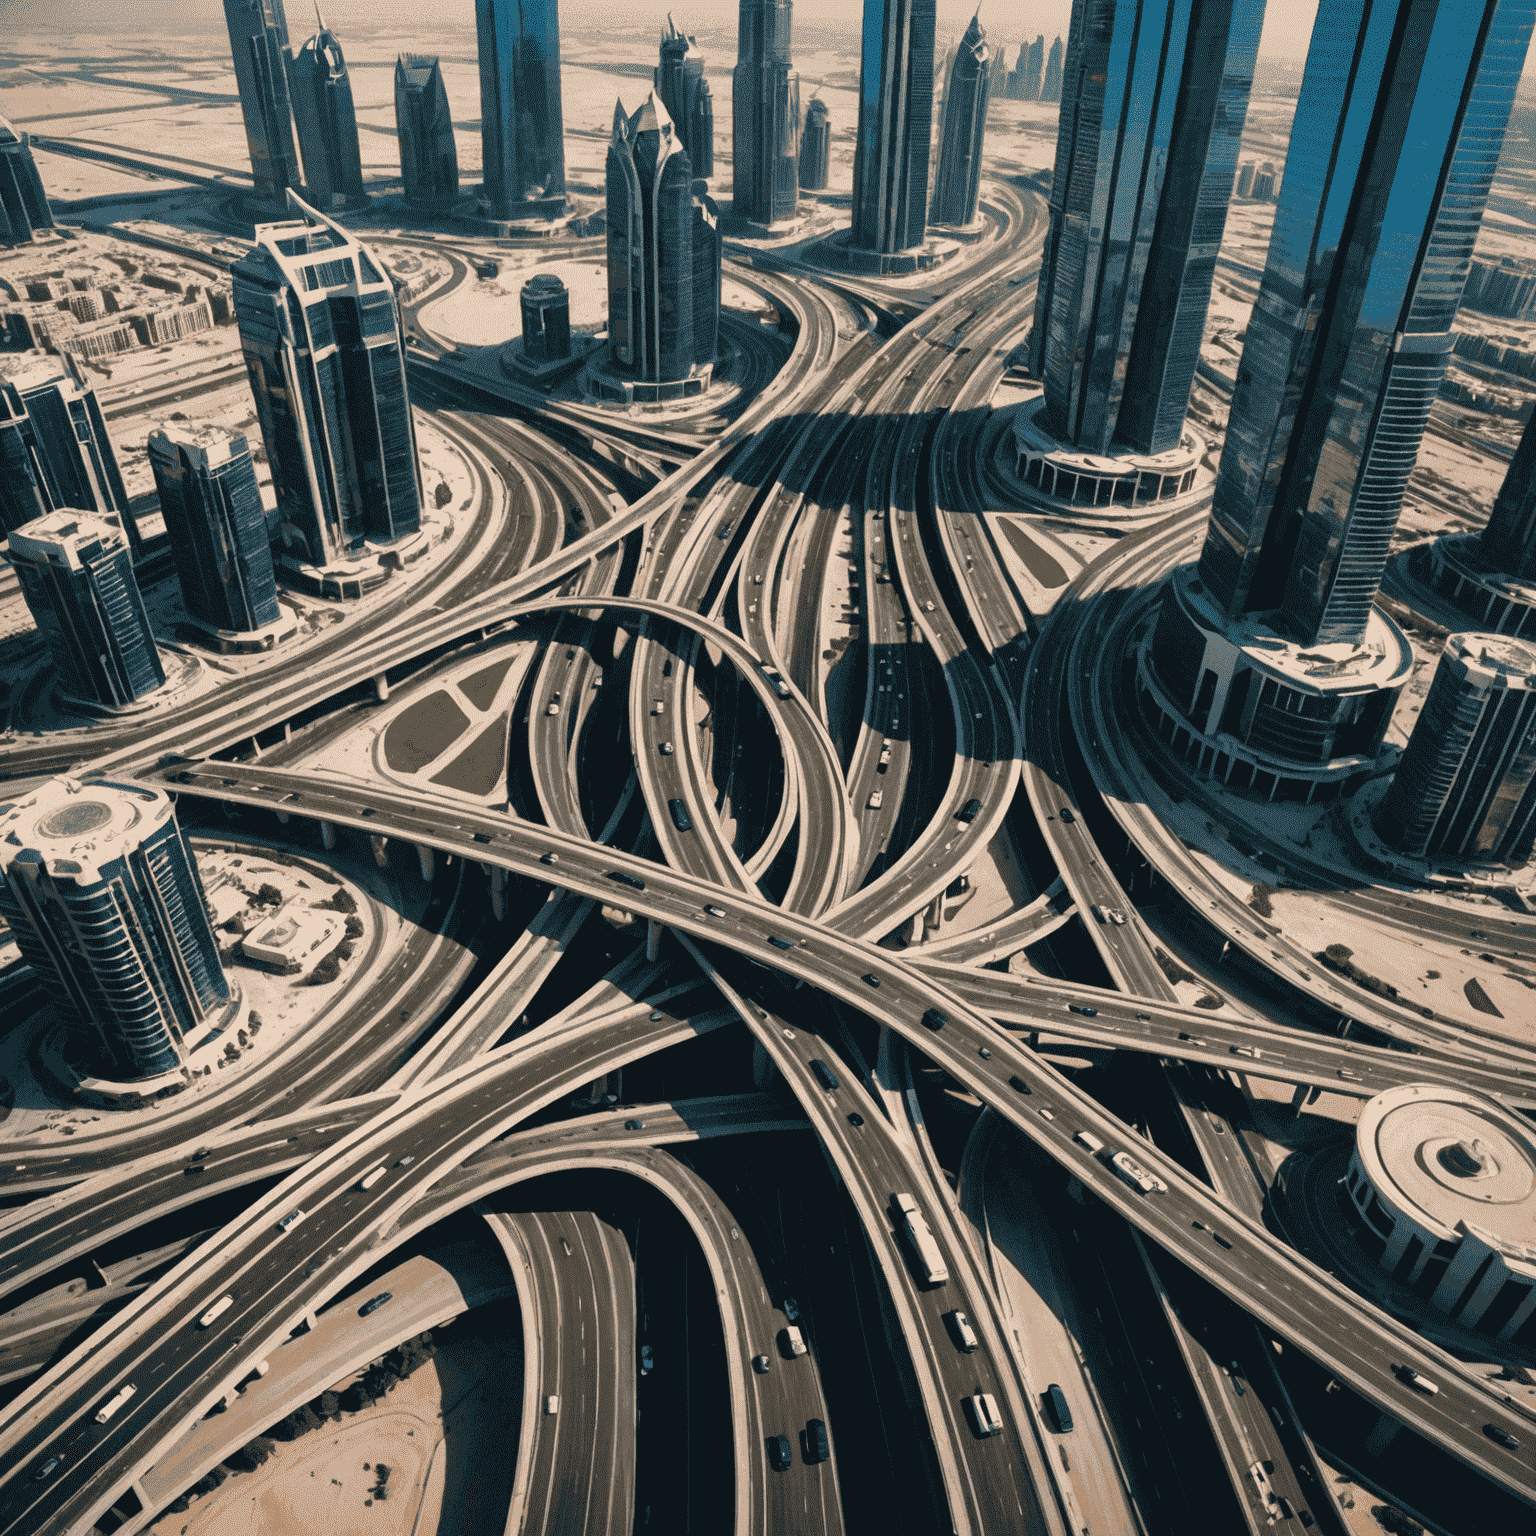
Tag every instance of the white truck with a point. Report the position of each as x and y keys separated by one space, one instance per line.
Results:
x=930 y=1260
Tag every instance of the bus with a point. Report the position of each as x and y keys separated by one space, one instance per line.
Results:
x=114 y=1402
x=930 y=1261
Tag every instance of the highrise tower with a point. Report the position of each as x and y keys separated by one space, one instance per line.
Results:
x=320 y=329
x=890 y=164
x=429 y=160
x=815 y=146
x=1032 y=65
x=23 y=203
x=1508 y=542
x=685 y=94
x=958 y=184
x=217 y=527
x=1050 y=85
x=102 y=893
x=258 y=39
x=522 y=129
x=327 y=124
x=1145 y=156
x=77 y=579
x=765 y=114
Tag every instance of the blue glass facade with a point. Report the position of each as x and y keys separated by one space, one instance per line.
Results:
x=258 y=40
x=958 y=184
x=103 y=895
x=23 y=203
x=429 y=158
x=323 y=113
x=217 y=526
x=685 y=94
x=77 y=578
x=1397 y=132
x=320 y=329
x=815 y=146
x=765 y=114
x=23 y=490
x=1508 y=541
x=895 y=132
x=1156 y=95
x=522 y=132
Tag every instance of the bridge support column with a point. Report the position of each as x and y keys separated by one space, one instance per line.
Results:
x=764 y=1072
x=498 y=892
x=1382 y=1435
x=328 y=833
x=1034 y=1039
x=380 y=846
x=653 y=933
x=287 y=730
x=912 y=929
x=428 y=860
x=381 y=687
x=933 y=919
x=1305 y=1094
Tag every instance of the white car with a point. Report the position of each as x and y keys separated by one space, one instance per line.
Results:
x=793 y=1342
x=876 y=800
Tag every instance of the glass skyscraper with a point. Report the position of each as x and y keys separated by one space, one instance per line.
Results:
x=1466 y=785
x=1397 y=132
x=23 y=203
x=958 y=184
x=890 y=164
x=815 y=146
x=320 y=329
x=1508 y=542
x=1050 y=85
x=327 y=124
x=54 y=446
x=685 y=94
x=217 y=527
x=102 y=893
x=1157 y=94
x=522 y=130
x=258 y=40
x=429 y=159
x=765 y=114
x=77 y=578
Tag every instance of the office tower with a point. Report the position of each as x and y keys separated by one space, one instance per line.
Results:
x=23 y=491
x=1508 y=541
x=522 y=129
x=320 y=329
x=1145 y=156
x=997 y=70
x=815 y=146
x=1351 y=333
x=102 y=893
x=216 y=524
x=322 y=112
x=890 y=162
x=685 y=94
x=663 y=251
x=765 y=114
x=1050 y=84
x=62 y=437
x=23 y=203
x=1466 y=785
x=1263 y=185
x=258 y=39
x=958 y=183
x=429 y=162
x=1033 y=65
x=77 y=578
x=546 y=319
x=1245 y=180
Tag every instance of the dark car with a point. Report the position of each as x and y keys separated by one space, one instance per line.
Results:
x=934 y=1019
x=1082 y=1008
x=1019 y=1085
x=871 y=979
x=195 y=1168
x=726 y=530
x=762 y=1365
x=374 y=1303
x=48 y=1468
x=634 y=1125
x=969 y=811
x=824 y=1074
x=1503 y=1436
x=680 y=817
x=1056 y=1403
x=855 y=1119
x=816 y=1447
x=779 y=943
x=624 y=878
x=1067 y=816
x=482 y=837
x=780 y=1457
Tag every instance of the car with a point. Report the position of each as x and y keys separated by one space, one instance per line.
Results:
x=1116 y=916
x=48 y=1468
x=195 y=1168
x=634 y=1125
x=985 y=1054
x=291 y=1220
x=824 y=1074
x=680 y=817
x=1067 y=816
x=1477 y=933
x=659 y=707
x=1056 y=1405
x=552 y=1405
x=665 y=748
x=222 y=1305
x=1082 y=1008
x=928 y=606
x=657 y=1015
x=885 y=754
x=855 y=1119
x=1045 y=1114
x=1503 y=1436
x=780 y=1457
x=791 y=1342
x=779 y=943
x=875 y=801
x=1019 y=1085
x=714 y=911
x=552 y=709
x=969 y=811
x=726 y=530
x=985 y=1419
x=1410 y=1377
x=761 y=1364
x=623 y=877
x=647 y=1360
x=1189 y=1039
x=375 y=1302
x=1225 y=1243
x=1143 y=1018
x=406 y=1161
x=871 y=979
x=482 y=837
x=550 y=858
x=816 y=1447
x=1251 y=1051
x=934 y=1019
x=960 y=1327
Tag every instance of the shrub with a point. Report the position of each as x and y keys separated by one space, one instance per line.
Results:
x=354 y=926
x=1207 y=1001
x=1171 y=967
x=1338 y=954
x=442 y=495
x=342 y=901
x=1258 y=899
x=268 y=895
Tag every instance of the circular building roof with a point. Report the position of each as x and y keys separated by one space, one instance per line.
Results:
x=72 y=828
x=1449 y=1160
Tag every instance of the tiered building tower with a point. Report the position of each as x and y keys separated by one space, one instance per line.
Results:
x=765 y=114
x=685 y=94
x=323 y=113
x=958 y=185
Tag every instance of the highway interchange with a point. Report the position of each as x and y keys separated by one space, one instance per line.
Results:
x=680 y=768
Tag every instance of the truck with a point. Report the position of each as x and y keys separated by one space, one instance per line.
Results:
x=1135 y=1175
x=115 y=1402
x=223 y=1304
x=930 y=1261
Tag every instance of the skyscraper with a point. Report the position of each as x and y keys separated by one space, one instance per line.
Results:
x=258 y=39
x=1350 y=336
x=217 y=527
x=429 y=161
x=1032 y=64
x=1466 y=785
x=1050 y=85
x=52 y=430
x=320 y=329
x=327 y=123
x=102 y=893
x=815 y=146
x=546 y=308
x=890 y=163
x=765 y=114
x=964 y=122
x=1508 y=542
x=23 y=203
x=1145 y=156
x=663 y=251
x=685 y=94
x=522 y=128
x=77 y=579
